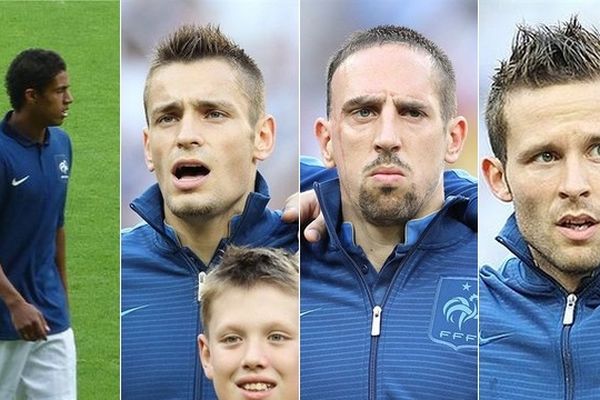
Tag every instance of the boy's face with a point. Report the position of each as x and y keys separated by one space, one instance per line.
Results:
x=252 y=348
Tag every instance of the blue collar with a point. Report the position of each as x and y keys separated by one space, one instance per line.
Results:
x=329 y=196
x=19 y=137
x=412 y=231
x=510 y=237
x=149 y=206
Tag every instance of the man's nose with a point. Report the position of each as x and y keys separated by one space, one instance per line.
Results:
x=575 y=181
x=387 y=136
x=190 y=132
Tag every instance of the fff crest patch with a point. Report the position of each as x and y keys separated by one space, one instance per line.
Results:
x=62 y=166
x=455 y=313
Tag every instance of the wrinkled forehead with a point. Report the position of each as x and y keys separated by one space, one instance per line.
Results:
x=552 y=112
x=395 y=69
x=213 y=79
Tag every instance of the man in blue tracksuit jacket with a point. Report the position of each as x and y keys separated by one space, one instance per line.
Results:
x=540 y=312
x=206 y=132
x=389 y=296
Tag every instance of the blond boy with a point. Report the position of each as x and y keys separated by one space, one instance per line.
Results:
x=249 y=348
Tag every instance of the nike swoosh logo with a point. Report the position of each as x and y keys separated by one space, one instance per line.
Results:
x=124 y=313
x=302 y=314
x=490 y=339
x=16 y=182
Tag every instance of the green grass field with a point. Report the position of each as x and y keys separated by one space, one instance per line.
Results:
x=86 y=34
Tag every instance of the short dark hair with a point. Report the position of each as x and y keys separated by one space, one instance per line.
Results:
x=31 y=69
x=391 y=34
x=541 y=56
x=245 y=268
x=191 y=43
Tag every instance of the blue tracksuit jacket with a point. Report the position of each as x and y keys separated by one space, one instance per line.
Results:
x=160 y=318
x=536 y=340
x=407 y=332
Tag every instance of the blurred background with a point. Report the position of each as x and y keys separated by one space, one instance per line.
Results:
x=324 y=25
x=497 y=21
x=266 y=29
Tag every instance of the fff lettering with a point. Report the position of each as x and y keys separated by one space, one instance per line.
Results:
x=458 y=336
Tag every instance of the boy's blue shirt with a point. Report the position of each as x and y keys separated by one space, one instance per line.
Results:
x=160 y=318
x=525 y=342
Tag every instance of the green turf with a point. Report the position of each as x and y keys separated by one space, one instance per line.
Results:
x=86 y=34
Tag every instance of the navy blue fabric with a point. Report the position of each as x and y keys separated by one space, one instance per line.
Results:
x=413 y=357
x=160 y=318
x=526 y=352
x=33 y=190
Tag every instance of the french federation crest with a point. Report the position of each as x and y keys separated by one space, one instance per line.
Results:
x=62 y=165
x=455 y=313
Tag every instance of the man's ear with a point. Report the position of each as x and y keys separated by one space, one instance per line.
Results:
x=205 y=358
x=495 y=176
x=456 y=135
x=264 y=138
x=323 y=134
x=31 y=96
x=147 y=152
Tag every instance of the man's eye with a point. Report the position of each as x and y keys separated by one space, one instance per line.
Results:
x=413 y=113
x=165 y=119
x=545 y=157
x=215 y=114
x=595 y=151
x=363 y=113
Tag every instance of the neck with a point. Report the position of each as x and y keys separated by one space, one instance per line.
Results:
x=202 y=234
x=569 y=280
x=377 y=242
x=27 y=126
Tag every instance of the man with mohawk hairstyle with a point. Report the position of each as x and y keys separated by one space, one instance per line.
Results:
x=540 y=314
x=207 y=130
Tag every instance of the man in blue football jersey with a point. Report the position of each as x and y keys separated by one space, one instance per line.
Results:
x=540 y=311
x=207 y=130
x=389 y=293
x=37 y=350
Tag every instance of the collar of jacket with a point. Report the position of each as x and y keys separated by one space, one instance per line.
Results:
x=531 y=277
x=16 y=135
x=149 y=206
x=436 y=235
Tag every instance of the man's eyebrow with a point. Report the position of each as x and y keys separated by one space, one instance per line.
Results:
x=591 y=138
x=535 y=149
x=214 y=104
x=166 y=106
x=401 y=104
x=362 y=101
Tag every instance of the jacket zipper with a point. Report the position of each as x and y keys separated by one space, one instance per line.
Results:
x=376 y=316
x=568 y=319
x=378 y=309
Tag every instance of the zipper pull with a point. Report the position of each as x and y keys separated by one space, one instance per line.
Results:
x=201 y=277
x=376 y=325
x=570 y=309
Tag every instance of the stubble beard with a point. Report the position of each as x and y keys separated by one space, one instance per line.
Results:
x=389 y=206
x=385 y=207
x=189 y=210
x=548 y=255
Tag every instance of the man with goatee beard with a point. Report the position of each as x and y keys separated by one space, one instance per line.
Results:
x=389 y=293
